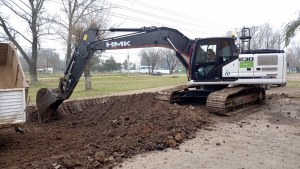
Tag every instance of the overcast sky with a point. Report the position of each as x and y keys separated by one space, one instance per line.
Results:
x=197 y=18
x=203 y=18
x=194 y=18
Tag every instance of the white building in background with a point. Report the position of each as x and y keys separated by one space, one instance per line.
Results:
x=145 y=69
x=50 y=70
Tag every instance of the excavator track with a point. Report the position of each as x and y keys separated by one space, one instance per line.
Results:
x=226 y=102
x=230 y=99
x=172 y=94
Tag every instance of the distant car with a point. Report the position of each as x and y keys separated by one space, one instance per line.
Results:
x=156 y=74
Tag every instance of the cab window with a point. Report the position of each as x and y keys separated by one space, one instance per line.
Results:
x=207 y=52
x=225 y=52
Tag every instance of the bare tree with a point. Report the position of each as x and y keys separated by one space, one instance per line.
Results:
x=95 y=61
x=293 y=55
x=99 y=20
x=33 y=13
x=145 y=58
x=263 y=37
x=291 y=29
x=151 y=56
x=133 y=67
x=73 y=12
x=53 y=58
x=170 y=58
x=78 y=16
x=47 y=58
x=125 y=65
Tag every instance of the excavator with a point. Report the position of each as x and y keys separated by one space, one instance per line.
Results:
x=228 y=75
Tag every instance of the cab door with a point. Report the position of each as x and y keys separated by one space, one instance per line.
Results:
x=209 y=58
x=205 y=59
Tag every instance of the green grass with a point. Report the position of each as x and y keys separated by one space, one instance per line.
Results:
x=293 y=83
x=103 y=84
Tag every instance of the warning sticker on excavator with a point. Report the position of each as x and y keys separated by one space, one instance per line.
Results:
x=85 y=37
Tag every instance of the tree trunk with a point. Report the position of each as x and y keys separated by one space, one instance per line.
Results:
x=88 y=83
x=69 y=50
x=152 y=68
x=172 y=68
x=87 y=76
x=33 y=74
x=149 y=69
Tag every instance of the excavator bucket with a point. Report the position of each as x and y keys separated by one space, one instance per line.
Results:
x=48 y=100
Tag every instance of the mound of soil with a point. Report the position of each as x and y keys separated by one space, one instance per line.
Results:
x=101 y=136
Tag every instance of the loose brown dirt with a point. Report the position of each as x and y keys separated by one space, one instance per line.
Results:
x=101 y=136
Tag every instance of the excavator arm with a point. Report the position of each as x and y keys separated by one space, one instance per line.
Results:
x=48 y=100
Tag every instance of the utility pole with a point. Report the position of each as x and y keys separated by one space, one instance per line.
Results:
x=47 y=64
x=127 y=62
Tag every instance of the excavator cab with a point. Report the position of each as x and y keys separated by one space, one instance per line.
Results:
x=209 y=56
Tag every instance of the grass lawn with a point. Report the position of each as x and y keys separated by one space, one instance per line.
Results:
x=103 y=84
x=293 y=83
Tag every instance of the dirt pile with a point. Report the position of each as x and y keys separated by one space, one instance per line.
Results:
x=101 y=136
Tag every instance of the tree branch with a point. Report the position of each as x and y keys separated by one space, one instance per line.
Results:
x=8 y=5
x=39 y=4
x=14 y=41
x=290 y=30
x=83 y=10
x=20 y=34
x=25 y=4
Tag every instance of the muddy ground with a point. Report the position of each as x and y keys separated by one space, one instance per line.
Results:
x=118 y=128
